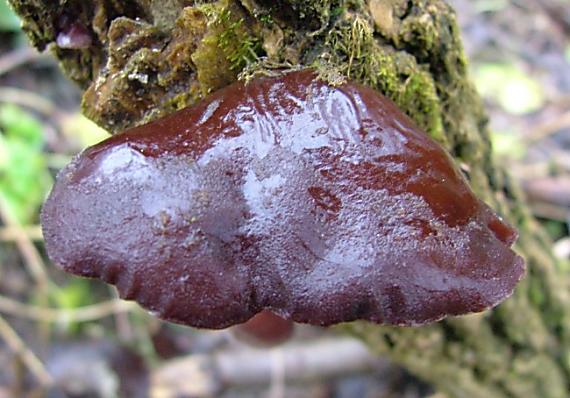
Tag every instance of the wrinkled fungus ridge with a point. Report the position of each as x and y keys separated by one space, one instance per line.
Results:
x=322 y=204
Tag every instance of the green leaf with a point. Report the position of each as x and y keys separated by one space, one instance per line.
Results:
x=20 y=125
x=9 y=22
x=490 y=5
x=75 y=294
x=555 y=229
x=82 y=130
x=516 y=92
x=508 y=145
x=24 y=177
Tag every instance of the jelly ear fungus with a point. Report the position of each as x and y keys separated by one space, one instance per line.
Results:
x=321 y=204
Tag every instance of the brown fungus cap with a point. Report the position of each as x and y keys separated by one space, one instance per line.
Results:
x=322 y=204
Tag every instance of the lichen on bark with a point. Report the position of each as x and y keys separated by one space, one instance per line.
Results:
x=150 y=58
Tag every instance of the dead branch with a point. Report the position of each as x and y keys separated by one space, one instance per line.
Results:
x=203 y=376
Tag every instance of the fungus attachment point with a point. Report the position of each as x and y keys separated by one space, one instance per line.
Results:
x=324 y=204
x=264 y=329
x=72 y=34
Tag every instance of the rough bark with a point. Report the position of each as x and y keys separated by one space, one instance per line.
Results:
x=150 y=57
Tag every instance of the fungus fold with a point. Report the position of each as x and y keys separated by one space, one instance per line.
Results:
x=321 y=204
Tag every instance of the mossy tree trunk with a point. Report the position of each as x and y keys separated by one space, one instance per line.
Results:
x=149 y=58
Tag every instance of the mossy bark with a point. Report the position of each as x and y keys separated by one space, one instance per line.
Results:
x=149 y=58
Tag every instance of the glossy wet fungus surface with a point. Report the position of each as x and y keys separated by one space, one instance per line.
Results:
x=323 y=204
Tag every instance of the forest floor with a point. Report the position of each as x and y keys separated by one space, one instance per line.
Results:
x=75 y=337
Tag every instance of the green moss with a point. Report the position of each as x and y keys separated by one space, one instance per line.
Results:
x=536 y=293
x=266 y=19
x=419 y=97
x=353 y=49
x=420 y=32
x=241 y=48
x=35 y=16
x=314 y=13
x=430 y=32
x=228 y=46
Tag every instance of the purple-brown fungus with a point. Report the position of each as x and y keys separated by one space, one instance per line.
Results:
x=321 y=204
x=72 y=34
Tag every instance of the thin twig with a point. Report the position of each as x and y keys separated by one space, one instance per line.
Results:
x=277 y=380
x=208 y=375
x=52 y=315
x=28 y=99
x=543 y=130
x=31 y=256
x=19 y=376
x=34 y=264
x=122 y=321
x=556 y=13
x=31 y=361
x=11 y=234
x=18 y=57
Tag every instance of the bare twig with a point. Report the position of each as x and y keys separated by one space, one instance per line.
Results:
x=553 y=190
x=31 y=361
x=81 y=314
x=11 y=234
x=122 y=321
x=33 y=261
x=32 y=258
x=204 y=376
x=543 y=130
x=28 y=99
x=277 y=381
x=550 y=211
x=18 y=57
x=18 y=380
x=557 y=12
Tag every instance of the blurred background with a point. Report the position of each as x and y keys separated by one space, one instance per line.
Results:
x=62 y=336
